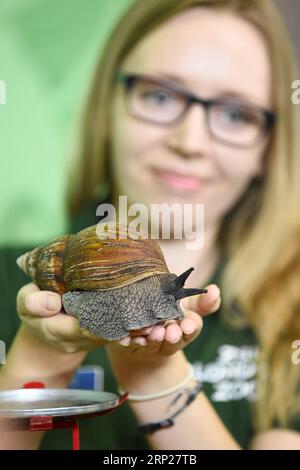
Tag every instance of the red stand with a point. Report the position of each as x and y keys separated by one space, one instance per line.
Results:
x=47 y=423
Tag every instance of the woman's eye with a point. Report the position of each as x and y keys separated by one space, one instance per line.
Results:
x=237 y=116
x=157 y=96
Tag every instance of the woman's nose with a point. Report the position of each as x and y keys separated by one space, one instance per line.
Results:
x=191 y=137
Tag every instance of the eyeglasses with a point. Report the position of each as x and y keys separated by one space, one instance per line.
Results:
x=229 y=120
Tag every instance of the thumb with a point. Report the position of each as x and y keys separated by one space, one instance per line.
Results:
x=32 y=301
x=204 y=304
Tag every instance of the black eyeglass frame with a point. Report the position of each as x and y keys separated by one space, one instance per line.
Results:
x=269 y=117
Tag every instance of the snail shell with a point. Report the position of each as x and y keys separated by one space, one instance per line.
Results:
x=110 y=280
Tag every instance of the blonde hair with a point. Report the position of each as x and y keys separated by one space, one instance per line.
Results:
x=261 y=233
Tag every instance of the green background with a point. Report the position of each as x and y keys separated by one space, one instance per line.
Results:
x=47 y=52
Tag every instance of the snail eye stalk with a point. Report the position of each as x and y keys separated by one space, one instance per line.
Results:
x=182 y=293
x=180 y=280
x=175 y=287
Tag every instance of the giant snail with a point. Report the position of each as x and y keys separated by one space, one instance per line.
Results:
x=110 y=280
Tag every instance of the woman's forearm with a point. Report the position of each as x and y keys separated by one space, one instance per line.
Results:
x=197 y=427
x=30 y=359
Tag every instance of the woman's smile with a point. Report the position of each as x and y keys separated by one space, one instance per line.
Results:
x=177 y=181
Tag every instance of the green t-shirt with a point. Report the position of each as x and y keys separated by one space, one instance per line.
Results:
x=224 y=360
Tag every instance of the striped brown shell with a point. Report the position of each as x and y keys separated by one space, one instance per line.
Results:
x=90 y=261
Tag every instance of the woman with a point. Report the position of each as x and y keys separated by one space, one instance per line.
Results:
x=191 y=103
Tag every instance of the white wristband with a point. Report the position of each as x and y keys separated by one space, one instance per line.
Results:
x=162 y=393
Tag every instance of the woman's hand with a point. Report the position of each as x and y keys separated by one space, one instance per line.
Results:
x=165 y=339
x=155 y=362
x=42 y=315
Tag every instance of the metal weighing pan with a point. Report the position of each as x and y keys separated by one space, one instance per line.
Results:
x=25 y=403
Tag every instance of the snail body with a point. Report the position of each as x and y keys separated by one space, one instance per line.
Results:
x=111 y=281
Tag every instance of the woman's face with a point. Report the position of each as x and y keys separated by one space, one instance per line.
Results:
x=211 y=55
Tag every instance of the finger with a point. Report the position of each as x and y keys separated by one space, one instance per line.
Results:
x=191 y=326
x=62 y=327
x=157 y=333
x=204 y=304
x=32 y=301
x=173 y=333
x=125 y=341
x=64 y=332
x=176 y=340
x=59 y=327
x=140 y=340
x=142 y=331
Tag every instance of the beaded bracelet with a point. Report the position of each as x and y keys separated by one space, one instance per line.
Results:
x=150 y=428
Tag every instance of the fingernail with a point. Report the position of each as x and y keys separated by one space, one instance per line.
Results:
x=175 y=339
x=139 y=341
x=189 y=329
x=124 y=342
x=52 y=303
x=217 y=303
x=147 y=331
x=216 y=288
x=158 y=336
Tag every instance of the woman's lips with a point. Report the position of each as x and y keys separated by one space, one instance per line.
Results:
x=179 y=181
